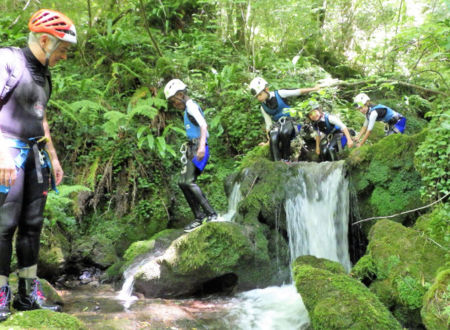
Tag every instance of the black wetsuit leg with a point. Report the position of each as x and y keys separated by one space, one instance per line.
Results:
x=194 y=195
x=23 y=209
x=287 y=133
x=31 y=217
x=274 y=136
x=9 y=219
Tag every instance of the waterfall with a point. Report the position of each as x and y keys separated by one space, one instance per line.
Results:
x=317 y=212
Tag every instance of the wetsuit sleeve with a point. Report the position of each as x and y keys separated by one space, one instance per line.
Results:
x=336 y=121
x=5 y=69
x=267 y=119
x=194 y=111
x=289 y=92
x=372 y=120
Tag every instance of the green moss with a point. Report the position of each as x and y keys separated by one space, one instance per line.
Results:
x=385 y=178
x=331 y=266
x=217 y=248
x=138 y=248
x=364 y=268
x=436 y=303
x=42 y=319
x=404 y=262
x=336 y=301
x=435 y=224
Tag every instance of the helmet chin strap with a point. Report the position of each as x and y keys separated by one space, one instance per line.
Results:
x=49 y=53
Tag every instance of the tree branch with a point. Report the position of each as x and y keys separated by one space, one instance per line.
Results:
x=147 y=28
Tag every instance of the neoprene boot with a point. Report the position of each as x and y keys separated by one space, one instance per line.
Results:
x=31 y=296
x=5 y=299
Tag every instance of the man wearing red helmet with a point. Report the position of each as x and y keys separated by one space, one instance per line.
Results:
x=27 y=155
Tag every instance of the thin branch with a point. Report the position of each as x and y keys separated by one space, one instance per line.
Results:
x=438 y=73
x=147 y=28
x=406 y=212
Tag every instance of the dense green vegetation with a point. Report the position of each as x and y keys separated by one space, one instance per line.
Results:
x=118 y=140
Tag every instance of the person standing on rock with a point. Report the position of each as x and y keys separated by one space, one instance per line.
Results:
x=280 y=126
x=28 y=159
x=195 y=152
x=395 y=122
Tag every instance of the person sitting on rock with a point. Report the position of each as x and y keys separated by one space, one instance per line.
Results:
x=331 y=133
x=395 y=122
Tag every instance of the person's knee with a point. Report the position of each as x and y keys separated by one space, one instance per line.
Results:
x=9 y=214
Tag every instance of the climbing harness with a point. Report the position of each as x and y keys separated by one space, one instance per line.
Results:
x=41 y=157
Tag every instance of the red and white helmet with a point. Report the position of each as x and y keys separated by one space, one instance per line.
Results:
x=257 y=85
x=54 y=23
x=360 y=100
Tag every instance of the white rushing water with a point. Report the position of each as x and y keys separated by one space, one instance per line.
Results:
x=317 y=212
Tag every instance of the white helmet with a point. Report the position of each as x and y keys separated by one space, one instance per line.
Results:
x=174 y=86
x=361 y=99
x=257 y=85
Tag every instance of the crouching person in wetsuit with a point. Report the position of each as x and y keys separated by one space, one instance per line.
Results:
x=395 y=122
x=27 y=154
x=331 y=134
x=195 y=152
x=279 y=124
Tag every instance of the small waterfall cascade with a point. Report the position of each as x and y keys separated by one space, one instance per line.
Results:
x=233 y=201
x=317 y=213
x=126 y=293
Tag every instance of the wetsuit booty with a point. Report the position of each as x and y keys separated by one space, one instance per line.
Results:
x=5 y=299
x=31 y=296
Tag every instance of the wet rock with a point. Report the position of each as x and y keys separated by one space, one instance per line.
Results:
x=334 y=300
x=399 y=266
x=214 y=258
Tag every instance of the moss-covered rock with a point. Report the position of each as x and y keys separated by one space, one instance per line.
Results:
x=321 y=263
x=400 y=264
x=385 y=178
x=436 y=303
x=224 y=255
x=435 y=224
x=42 y=319
x=334 y=300
x=53 y=253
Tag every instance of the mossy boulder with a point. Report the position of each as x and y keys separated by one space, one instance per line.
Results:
x=436 y=311
x=385 y=179
x=42 y=319
x=53 y=253
x=334 y=300
x=140 y=250
x=435 y=224
x=216 y=257
x=97 y=250
x=399 y=266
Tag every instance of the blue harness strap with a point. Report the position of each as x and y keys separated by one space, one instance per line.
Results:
x=20 y=159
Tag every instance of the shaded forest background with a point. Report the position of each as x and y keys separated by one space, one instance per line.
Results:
x=118 y=141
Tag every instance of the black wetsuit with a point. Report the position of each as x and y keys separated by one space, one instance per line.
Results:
x=21 y=118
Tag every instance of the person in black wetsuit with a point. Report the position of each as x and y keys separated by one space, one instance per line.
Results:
x=280 y=126
x=28 y=160
x=195 y=153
